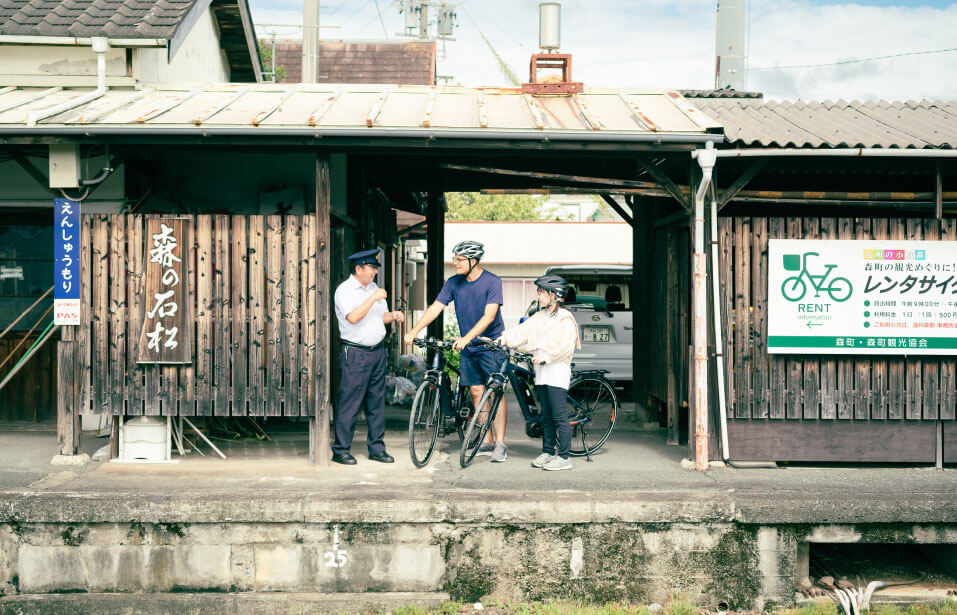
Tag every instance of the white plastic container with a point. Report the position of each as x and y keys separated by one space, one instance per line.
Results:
x=145 y=439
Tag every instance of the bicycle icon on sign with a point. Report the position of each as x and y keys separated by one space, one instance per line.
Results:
x=794 y=288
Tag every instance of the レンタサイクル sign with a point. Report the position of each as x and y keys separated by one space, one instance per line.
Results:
x=66 y=262
x=165 y=336
x=887 y=297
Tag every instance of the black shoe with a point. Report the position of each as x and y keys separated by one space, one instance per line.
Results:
x=345 y=459
x=382 y=457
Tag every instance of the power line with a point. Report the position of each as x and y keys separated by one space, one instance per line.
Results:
x=857 y=61
x=506 y=70
x=366 y=24
x=379 y=11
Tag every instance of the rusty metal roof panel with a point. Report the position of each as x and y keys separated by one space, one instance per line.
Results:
x=396 y=108
x=827 y=124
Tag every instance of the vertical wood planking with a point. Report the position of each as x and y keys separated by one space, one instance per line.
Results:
x=759 y=320
x=134 y=283
x=795 y=366
x=291 y=308
x=66 y=417
x=828 y=362
x=307 y=368
x=256 y=305
x=85 y=335
x=777 y=365
x=930 y=379
x=274 y=293
x=239 y=260
x=742 y=318
x=948 y=368
x=186 y=397
x=913 y=366
x=118 y=333
x=152 y=397
x=845 y=363
x=726 y=253
x=204 y=306
x=319 y=450
x=862 y=364
x=101 y=316
x=879 y=362
x=674 y=346
x=222 y=315
x=895 y=365
x=812 y=365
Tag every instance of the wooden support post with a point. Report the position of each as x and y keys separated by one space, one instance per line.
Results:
x=672 y=334
x=939 y=197
x=68 y=416
x=435 y=267
x=319 y=451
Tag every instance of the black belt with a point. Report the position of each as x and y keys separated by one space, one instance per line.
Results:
x=354 y=345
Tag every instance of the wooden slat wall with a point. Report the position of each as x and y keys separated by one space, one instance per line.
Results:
x=826 y=387
x=252 y=286
x=30 y=396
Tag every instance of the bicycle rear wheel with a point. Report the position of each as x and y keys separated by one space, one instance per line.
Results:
x=424 y=423
x=479 y=423
x=592 y=408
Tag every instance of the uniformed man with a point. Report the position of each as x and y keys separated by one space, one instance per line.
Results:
x=363 y=313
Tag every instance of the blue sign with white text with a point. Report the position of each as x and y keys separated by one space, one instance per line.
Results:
x=66 y=262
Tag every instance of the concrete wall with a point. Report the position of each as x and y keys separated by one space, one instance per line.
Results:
x=199 y=59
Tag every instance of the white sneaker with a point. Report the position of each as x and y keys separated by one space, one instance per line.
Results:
x=499 y=454
x=542 y=460
x=557 y=463
x=485 y=449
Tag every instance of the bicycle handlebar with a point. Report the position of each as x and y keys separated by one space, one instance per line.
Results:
x=517 y=355
x=431 y=342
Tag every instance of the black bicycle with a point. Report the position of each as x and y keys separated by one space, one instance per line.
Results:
x=436 y=410
x=592 y=405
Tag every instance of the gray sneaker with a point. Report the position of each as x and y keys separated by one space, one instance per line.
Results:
x=499 y=454
x=542 y=460
x=485 y=449
x=557 y=463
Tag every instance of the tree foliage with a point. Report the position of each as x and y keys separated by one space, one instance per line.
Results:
x=478 y=207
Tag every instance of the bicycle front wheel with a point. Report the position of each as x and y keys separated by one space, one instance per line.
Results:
x=592 y=408
x=424 y=423
x=479 y=423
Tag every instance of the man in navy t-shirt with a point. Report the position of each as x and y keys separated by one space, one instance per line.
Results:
x=477 y=295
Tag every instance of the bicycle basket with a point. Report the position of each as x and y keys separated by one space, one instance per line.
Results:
x=792 y=262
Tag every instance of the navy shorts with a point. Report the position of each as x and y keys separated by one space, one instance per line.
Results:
x=475 y=367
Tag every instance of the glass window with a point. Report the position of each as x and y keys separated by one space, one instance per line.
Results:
x=26 y=270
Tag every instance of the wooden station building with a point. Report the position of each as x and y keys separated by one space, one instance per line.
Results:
x=269 y=187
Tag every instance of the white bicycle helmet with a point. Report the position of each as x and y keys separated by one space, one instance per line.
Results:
x=469 y=249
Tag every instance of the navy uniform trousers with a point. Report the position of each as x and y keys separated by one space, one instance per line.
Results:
x=362 y=380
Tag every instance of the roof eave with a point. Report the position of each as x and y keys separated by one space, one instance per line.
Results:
x=75 y=41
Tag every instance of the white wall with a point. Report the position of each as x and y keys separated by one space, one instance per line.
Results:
x=199 y=59
x=50 y=64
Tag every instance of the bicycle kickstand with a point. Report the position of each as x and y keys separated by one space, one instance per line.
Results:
x=585 y=447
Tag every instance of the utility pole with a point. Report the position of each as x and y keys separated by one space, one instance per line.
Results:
x=310 y=41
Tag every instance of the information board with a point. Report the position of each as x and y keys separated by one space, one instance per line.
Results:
x=66 y=262
x=887 y=297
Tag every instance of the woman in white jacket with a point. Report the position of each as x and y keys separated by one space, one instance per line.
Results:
x=551 y=335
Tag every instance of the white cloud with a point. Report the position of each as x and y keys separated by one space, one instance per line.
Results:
x=670 y=44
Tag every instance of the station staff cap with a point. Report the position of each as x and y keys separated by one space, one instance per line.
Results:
x=365 y=257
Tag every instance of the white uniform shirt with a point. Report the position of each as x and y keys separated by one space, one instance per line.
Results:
x=370 y=330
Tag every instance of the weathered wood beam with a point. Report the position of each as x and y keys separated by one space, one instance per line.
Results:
x=319 y=451
x=665 y=182
x=581 y=179
x=435 y=265
x=741 y=182
x=618 y=209
x=939 y=209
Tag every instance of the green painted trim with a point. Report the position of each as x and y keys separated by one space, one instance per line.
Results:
x=825 y=341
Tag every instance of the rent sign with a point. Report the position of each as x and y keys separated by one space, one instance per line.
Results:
x=165 y=337
x=886 y=297
x=66 y=262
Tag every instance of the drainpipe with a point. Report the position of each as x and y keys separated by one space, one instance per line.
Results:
x=101 y=46
x=706 y=159
x=718 y=344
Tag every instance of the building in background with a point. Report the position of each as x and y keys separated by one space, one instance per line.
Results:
x=397 y=62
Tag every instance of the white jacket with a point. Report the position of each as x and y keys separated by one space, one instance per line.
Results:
x=547 y=335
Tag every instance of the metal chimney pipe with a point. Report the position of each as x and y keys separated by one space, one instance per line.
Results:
x=549 y=25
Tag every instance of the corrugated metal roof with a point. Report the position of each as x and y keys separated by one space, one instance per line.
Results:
x=750 y=123
x=84 y=18
x=397 y=109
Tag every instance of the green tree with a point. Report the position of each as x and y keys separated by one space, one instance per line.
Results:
x=475 y=206
x=265 y=54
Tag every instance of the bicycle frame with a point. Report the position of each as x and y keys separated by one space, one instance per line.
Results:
x=522 y=380
x=817 y=281
x=437 y=374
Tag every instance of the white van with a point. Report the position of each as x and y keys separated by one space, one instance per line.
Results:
x=600 y=298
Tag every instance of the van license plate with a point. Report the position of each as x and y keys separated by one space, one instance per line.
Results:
x=595 y=334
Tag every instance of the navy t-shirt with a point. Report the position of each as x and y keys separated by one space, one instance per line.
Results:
x=470 y=300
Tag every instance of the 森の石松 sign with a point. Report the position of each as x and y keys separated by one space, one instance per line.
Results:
x=165 y=337
x=886 y=297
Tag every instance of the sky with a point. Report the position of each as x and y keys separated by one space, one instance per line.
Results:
x=670 y=44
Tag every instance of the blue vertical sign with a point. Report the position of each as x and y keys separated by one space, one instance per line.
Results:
x=66 y=262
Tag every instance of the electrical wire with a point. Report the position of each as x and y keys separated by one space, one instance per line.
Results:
x=506 y=70
x=855 y=61
x=356 y=12
x=379 y=11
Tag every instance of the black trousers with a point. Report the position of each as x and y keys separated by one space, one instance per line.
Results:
x=554 y=420
x=363 y=380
